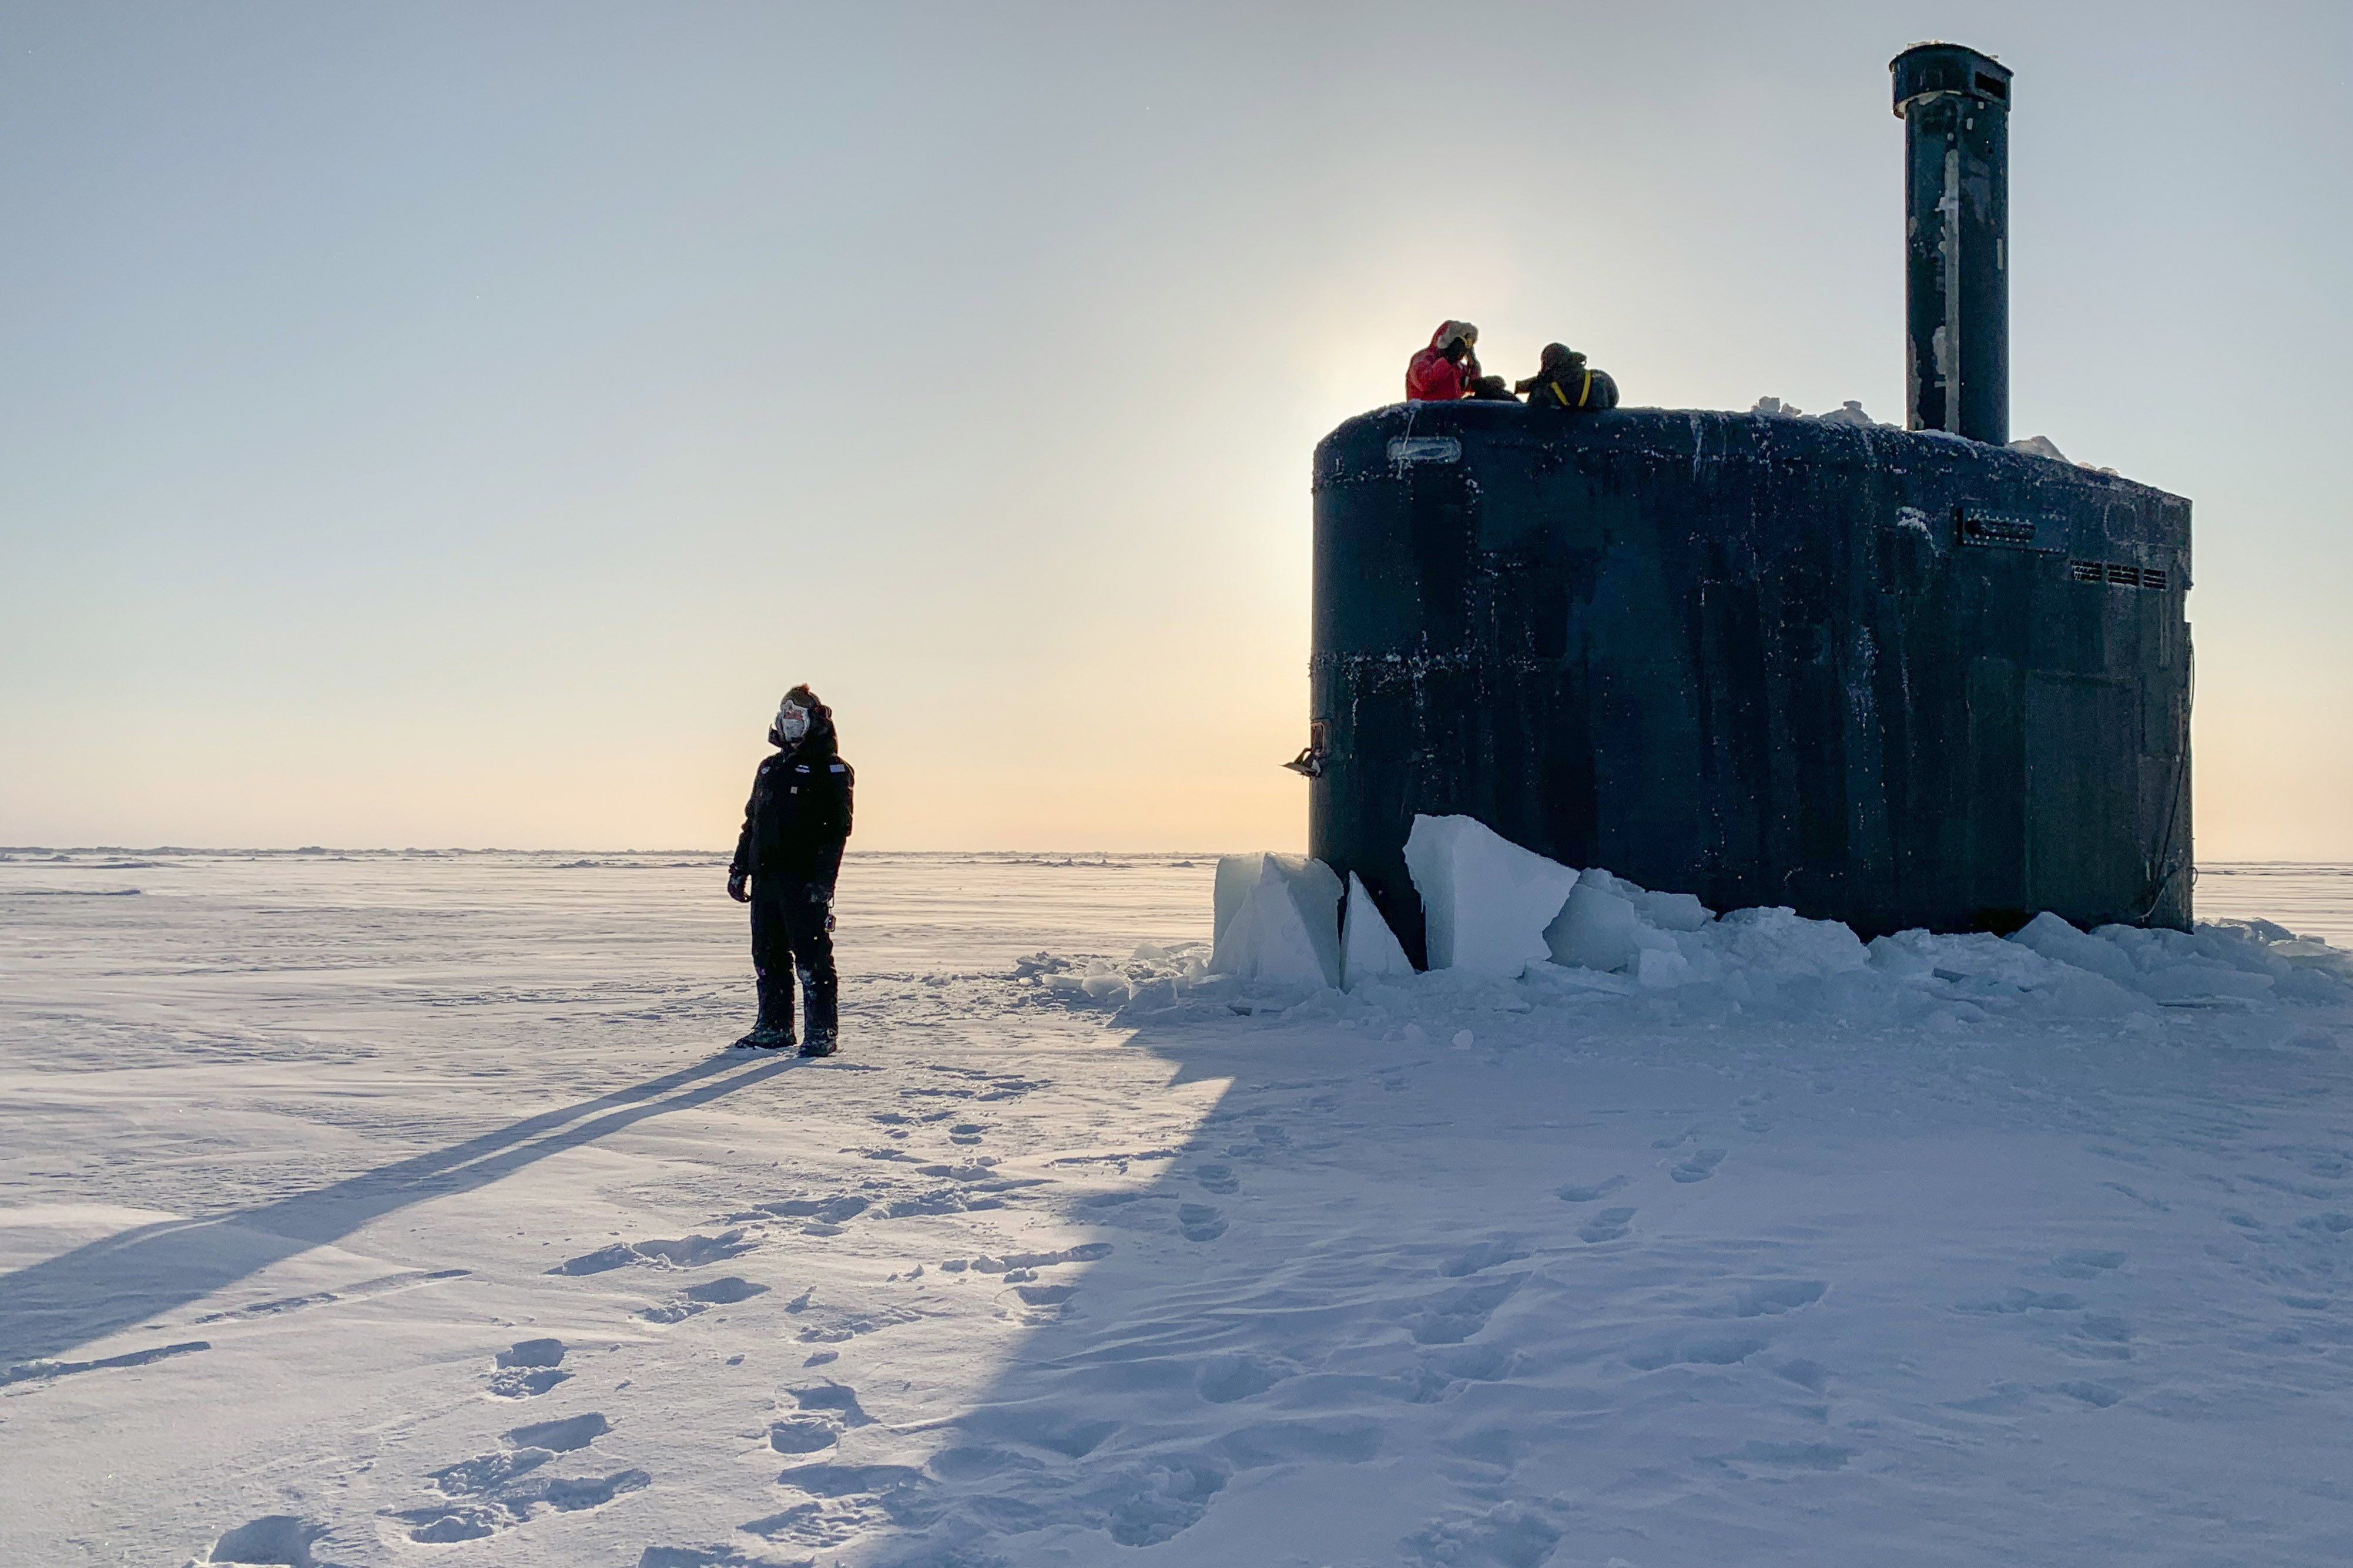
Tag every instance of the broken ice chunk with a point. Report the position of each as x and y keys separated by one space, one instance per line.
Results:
x=1369 y=949
x=1277 y=920
x=1486 y=900
x=1596 y=927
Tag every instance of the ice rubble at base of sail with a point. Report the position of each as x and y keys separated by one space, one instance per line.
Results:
x=1287 y=935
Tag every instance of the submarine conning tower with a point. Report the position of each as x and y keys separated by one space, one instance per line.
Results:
x=1892 y=677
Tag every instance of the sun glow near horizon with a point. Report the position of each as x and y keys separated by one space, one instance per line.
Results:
x=425 y=447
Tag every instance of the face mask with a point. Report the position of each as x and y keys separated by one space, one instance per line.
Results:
x=792 y=723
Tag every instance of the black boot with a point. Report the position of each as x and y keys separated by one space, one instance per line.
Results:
x=774 y=1030
x=817 y=990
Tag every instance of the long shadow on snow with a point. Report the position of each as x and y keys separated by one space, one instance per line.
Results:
x=1159 y=1372
x=124 y=1279
x=1316 y=1264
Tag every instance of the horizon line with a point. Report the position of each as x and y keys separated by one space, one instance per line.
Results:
x=9 y=852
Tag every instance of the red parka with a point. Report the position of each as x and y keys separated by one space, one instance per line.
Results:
x=1431 y=377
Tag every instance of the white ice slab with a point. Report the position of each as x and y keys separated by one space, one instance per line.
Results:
x=1369 y=949
x=1283 y=928
x=1486 y=900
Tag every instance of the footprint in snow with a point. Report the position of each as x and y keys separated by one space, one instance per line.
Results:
x=492 y=1492
x=2098 y=1395
x=2102 y=1336
x=1698 y=1167
x=2020 y=1300
x=725 y=1291
x=1144 y=1500
x=2088 y=1263
x=1224 y=1379
x=565 y=1437
x=1507 y=1536
x=281 y=1540
x=1771 y=1298
x=829 y=1480
x=1458 y=1314
x=803 y=1435
x=832 y=1211
x=1216 y=1179
x=979 y=1085
x=528 y=1368
x=1708 y=1351
x=1807 y=1375
x=1473 y=1363
x=1155 y=1500
x=836 y=1327
x=700 y=1299
x=1610 y=1224
x=1017 y=1265
x=527 y=1448
x=1486 y=1254
x=838 y=1400
x=1574 y=1193
x=686 y=1252
x=2155 y=1205
x=518 y=1502
x=1199 y=1222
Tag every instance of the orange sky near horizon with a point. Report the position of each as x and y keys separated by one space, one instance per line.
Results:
x=433 y=427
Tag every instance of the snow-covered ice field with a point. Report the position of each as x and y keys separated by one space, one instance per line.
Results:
x=408 y=1210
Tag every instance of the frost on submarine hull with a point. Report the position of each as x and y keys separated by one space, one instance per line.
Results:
x=1895 y=679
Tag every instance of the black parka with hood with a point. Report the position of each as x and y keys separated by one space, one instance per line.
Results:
x=797 y=820
x=1563 y=383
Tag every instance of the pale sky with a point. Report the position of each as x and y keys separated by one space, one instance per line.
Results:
x=430 y=425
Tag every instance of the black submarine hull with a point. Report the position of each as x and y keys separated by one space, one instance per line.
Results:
x=1898 y=680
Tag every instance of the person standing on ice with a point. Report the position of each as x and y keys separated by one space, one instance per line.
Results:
x=1448 y=371
x=786 y=862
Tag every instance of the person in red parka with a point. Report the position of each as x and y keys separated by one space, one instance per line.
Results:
x=1448 y=369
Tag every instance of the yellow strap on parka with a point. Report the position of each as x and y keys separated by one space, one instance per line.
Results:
x=1583 y=391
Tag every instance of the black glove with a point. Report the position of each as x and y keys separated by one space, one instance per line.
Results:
x=819 y=894
x=738 y=887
